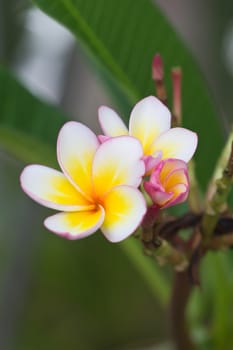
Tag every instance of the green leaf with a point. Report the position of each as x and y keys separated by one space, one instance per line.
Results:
x=123 y=36
x=28 y=127
x=217 y=282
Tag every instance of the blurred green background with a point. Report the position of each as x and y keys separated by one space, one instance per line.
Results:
x=87 y=294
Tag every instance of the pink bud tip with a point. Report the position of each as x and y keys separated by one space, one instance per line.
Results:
x=176 y=82
x=157 y=67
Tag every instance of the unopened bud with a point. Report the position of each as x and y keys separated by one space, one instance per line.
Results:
x=157 y=76
x=176 y=84
x=157 y=68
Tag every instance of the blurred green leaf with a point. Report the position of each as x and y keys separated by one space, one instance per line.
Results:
x=11 y=27
x=123 y=36
x=210 y=309
x=86 y=295
x=28 y=127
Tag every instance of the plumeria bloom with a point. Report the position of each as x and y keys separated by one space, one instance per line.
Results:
x=97 y=187
x=169 y=183
x=150 y=123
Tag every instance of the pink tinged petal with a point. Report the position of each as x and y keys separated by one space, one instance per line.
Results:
x=157 y=194
x=149 y=118
x=117 y=162
x=155 y=178
x=103 y=138
x=151 y=162
x=180 y=195
x=170 y=165
x=77 y=224
x=178 y=183
x=111 y=123
x=172 y=171
x=76 y=147
x=177 y=143
x=125 y=208
x=50 y=188
x=179 y=176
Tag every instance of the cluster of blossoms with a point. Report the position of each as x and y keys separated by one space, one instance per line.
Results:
x=98 y=187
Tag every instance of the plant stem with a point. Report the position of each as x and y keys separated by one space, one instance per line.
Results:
x=180 y=295
x=166 y=253
x=217 y=202
x=194 y=199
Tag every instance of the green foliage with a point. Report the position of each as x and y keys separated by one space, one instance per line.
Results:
x=86 y=295
x=28 y=128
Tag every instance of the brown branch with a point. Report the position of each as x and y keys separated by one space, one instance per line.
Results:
x=180 y=295
x=221 y=242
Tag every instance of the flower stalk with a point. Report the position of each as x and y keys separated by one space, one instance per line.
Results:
x=216 y=203
x=180 y=295
x=167 y=254
x=194 y=199
x=176 y=74
x=158 y=77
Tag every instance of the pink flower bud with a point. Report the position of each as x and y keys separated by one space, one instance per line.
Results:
x=169 y=183
x=157 y=68
x=176 y=82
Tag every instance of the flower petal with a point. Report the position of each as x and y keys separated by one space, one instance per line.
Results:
x=50 y=188
x=76 y=147
x=148 y=119
x=157 y=193
x=77 y=224
x=180 y=194
x=177 y=143
x=124 y=210
x=151 y=162
x=170 y=165
x=110 y=122
x=103 y=138
x=179 y=176
x=117 y=162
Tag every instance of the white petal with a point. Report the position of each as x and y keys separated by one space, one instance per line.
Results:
x=77 y=224
x=124 y=210
x=76 y=147
x=110 y=122
x=149 y=118
x=50 y=188
x=177 y=143
x=117 y=162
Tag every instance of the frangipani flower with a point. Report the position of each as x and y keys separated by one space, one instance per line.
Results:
x=169 y=183
x=97 y=188
x=150 y=123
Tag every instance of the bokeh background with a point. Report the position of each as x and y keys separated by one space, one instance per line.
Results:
x=56 y=294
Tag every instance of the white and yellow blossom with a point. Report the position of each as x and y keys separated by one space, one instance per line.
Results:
x=150 y=123
x=97 y=187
